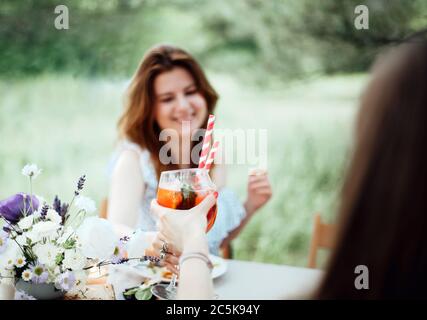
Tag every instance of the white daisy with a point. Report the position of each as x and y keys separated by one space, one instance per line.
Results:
x=20 y=262
x=27 y=275
x=31 y=170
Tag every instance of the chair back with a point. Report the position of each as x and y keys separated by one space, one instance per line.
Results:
x=323 y=237
x=103 y=209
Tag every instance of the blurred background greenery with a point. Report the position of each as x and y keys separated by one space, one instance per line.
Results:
x=294 y=67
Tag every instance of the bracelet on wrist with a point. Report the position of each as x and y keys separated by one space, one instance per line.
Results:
x=196 y=255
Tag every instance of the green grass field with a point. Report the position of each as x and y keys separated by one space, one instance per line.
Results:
x=68 y=127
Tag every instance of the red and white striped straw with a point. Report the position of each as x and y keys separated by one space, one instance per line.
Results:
x=211 y=156
x=207 y=141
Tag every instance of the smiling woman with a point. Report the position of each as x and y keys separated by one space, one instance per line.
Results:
x=169 y=91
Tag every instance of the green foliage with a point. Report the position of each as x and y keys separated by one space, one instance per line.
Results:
x=277 y=39
x=104 y=37
x=143 y=294
x=290 y=38
x=139 y=293
x=69 y=243
x=59 y=257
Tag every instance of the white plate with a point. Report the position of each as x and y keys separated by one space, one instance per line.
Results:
x=220 y=267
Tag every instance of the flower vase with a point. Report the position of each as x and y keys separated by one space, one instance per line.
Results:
x=40 y=291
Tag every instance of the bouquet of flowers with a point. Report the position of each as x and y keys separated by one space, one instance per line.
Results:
x=53 y=246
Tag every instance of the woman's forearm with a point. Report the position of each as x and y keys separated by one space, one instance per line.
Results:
x=195 y=281
x=126 y=190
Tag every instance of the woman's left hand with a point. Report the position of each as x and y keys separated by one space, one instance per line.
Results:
x=180 y=228
x=171 y=259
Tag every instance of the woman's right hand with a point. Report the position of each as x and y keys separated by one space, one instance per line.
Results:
x=180 y=228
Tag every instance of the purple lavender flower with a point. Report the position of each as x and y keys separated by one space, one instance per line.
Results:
x=3 y=241
x=125 y=239
x=65 y=281
x=40 y=274
x=56 y=204
x=7 y=229
x=18 y=205
x=153 y=259
x=60 y=208
x=43 y=211
x=80 y=184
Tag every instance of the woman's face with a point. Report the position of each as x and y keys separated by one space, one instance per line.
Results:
x=177 y=99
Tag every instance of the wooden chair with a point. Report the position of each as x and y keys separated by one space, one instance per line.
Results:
x=225 y=250
x=323 y=237
x=103 y=209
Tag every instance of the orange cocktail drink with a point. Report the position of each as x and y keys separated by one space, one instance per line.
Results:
x=185 y=189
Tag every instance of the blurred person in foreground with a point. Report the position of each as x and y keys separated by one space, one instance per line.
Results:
x=383 y=207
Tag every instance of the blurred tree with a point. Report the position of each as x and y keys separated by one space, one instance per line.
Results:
x=276 y=39
x=291 y=38
x=102 y=36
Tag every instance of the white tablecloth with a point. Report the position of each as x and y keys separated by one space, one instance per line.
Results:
x=251 y=280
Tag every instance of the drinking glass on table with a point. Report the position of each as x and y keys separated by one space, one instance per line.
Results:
x=182 y=190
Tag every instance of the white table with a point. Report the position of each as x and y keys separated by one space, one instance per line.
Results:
x=243 y=280
x=251 y=280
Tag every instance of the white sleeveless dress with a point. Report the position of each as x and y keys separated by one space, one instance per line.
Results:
x=230 y=210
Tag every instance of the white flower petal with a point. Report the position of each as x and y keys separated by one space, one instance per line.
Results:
x=53 y=216
x=21 y=239
x=97 y=238
x=27 y=274
x=74 y=259
x=67 y=234
x=8 y=257
x=86 y=204
x=45 y=229
x=46 y=253
x=31 y=170
x=137 y=244
x=26 y=223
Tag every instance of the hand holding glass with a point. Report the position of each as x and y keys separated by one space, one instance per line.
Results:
x=183 y=190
